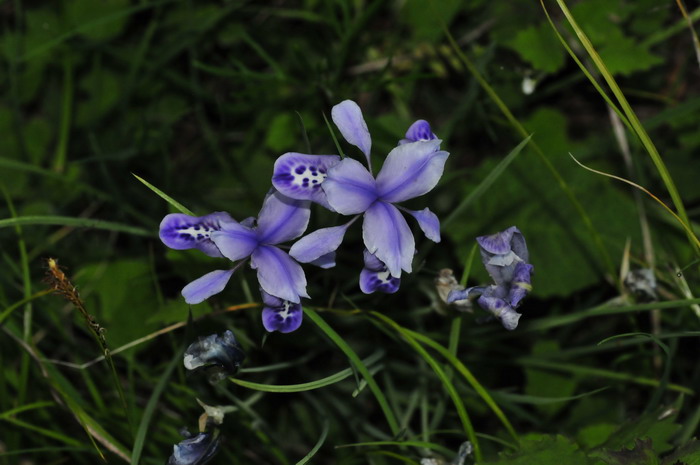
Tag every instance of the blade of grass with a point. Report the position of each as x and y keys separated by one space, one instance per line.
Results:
x=585 y=71
x=598 y=372
x=5 y=313
x=318 y=445
x=597 y=240
x=684 y=225
x=76 y=222
x=487 y=181
x=347 y=350
x=27 y=292
x=66 y=116
x=311 y=385
x=419 y=444
x=633 y=119
x=468 y=376
x=456 y=399
x=151 y=408
x=178 y=206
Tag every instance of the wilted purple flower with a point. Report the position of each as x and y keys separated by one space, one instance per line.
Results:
x=219 y=355
x=195 y=450
x=505 y=257
x=280 y=315
x=375 y=276
x=347 y=187
x=281 y=219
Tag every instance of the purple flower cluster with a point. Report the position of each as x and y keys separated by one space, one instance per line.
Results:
x=344 y=186
x=505 y=257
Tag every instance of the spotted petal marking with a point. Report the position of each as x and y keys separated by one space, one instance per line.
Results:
x=299 y=176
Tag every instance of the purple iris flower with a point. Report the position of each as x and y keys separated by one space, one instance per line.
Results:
x=347 y=187
x=375 y=276
x=281 y=219
x=280 y=315
x=505 y=257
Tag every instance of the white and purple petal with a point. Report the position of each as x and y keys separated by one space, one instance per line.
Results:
x=428 y=222
x=180 y=232
x=280 y=315
x=319 y=243
x=278 y=274
x=387 y=235
x=418 y=131
x=499 y=243
x=500 y=308
x=411 y=170
x=378 y=281
x=521 y=285
x=350 y=188
x=202 y=288
x=299 y=176
x=347 y=116
x=282 y=219
x=235 y=241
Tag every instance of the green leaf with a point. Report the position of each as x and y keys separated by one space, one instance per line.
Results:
x=282 y=133
x=689 y=454
x=595 y=435
x=647 y=426
x=641 y=454
x=121 y=298
x=624 y=56
x=426 y=19
x=540 y=449
x=539 y=46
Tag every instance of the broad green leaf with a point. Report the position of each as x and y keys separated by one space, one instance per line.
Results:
x=641 y=454
x=595 y=435
x=426 y=19
x=120 y=297
x=282 y=134
x=689 y=454
x=540 y=449
x=539 y=46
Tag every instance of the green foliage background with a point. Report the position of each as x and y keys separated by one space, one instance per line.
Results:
x=200 y=97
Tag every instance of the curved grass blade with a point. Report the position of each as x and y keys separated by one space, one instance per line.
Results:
x=318 y=445
x=75 y=222
x=598 y=241
x=178 y=206
x=5 y=313
x=488 y=181
x=588 y=74
x=151 y=407
x=347 y=350
x=598 y=372
x=311 y=385
x=685 y=226
x=420 y=444
x=469 y=377
x=633 y=119
x=456 y=399
x=537 y=400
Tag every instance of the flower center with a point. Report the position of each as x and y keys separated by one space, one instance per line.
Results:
x=308 y=176
x=285 y=313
